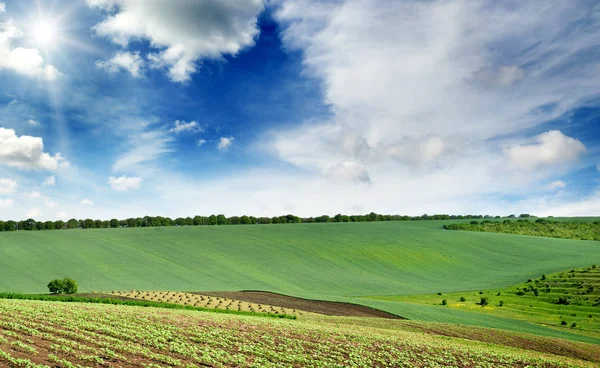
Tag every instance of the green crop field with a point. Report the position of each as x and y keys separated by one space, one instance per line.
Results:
x=340 y=261
x=43 y=334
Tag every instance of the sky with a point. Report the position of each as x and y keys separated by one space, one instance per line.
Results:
x=127 y=108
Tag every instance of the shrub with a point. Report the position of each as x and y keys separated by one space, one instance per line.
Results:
x=444 y=302
x=484 y=302
x=481 y=292
x=55 y=286
x=544 y=277
x=563 y=300
x=501 y=303
x=573 y=325
x=563 y=323
x=462 y=299
x=519 y=293
x=440 y=293
x=474 y=222
x=536 y=292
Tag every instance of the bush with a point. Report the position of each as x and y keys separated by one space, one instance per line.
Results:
x=501 y=303
x=64 y=286
x=484 y=302
x=564 y=323
x=55 y=286
x=536 y=292
x=519 y=293
x=462 y=299
x=573 y=325
x=563 y=300
x=444 y=302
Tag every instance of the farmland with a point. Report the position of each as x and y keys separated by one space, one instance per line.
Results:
x=39 y=334
x=337 y=262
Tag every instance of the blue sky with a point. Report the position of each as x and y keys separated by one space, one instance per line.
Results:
x=120 y=108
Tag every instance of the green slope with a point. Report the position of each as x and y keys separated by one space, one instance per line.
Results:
x=328 y=261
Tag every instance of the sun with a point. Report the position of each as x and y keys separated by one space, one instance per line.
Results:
x=45 y=32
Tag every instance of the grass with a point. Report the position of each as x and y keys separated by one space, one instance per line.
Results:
x=578 y=288
x=41 y=334
x=339 y=261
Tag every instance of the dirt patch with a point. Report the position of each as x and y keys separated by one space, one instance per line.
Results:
x=315 y=306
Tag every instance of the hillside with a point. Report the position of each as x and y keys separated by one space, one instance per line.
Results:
x=320 y=261
x=45 y=334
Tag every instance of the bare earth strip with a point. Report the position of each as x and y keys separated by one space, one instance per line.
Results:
x=314 y=306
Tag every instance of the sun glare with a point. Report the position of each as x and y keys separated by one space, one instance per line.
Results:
x=45 y=32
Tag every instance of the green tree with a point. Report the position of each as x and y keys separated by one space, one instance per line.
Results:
x=59 y=225
x=56 y=286
x=69 y=286
x=114 y=223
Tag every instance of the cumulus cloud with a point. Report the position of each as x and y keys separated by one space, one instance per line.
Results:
x=549 y=148
x=7 y=186
x=32 y=122
x=124 y=183
x=26 y=152
x=225 y=143
x=557 y=184
x=86 y=202
x=182 y=126
x=50 y=181
x=184 y=31
x=33 y=213
x=201 y=142
x=7 y=202
x=129 y=61
x=24 y=61
x=409 y=82
x=348 y=171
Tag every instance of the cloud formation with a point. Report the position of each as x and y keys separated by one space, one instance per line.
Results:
x=225 y=143
x=182 y=126
x=125 y=183
x=86 y=202
x=26 y=152
x=184 y=31
x=50 y=181
x=548 y=149
x=7 y=202
x=24 y=61
x=7 y=186
x=131 y=62
x=411 y=85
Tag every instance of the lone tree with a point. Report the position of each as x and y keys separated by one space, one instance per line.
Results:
x=64 y=286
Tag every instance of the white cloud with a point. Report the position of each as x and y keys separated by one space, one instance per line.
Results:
x=182 y=126
x=124 y=183
x=7 y=202
x=550 y=148
x=32 y=122
x=26 y=152
x=49 y=203
x=143 y=147
x=225 y=143
x=35 y=195
x=348 y=171
x=7 y=186
x=2 y=8
x=411 y=85
x=557 y=184
x=24 y=61
x=185 y=32
x=201 y=142
x=86 y=202
x=129 y=61
x=62 y=215
x=50 y=181
x=33 y=213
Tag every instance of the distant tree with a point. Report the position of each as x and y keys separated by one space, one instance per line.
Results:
x=28 y=225
x=69 y=286
x=484 y=302
x=221 y=220
x=10 y=225
x=114 y=223
x=245 y=220
x=234 y=220
x=180 y=221
x=39 y=225
x=512 y=216
x=55 y=286
x=49 y=225
x=524 y=215
x=105 y=224
x=98 y=224
x=2 y=225
x=59 y=224
x=89 y=224
x=72 y=224
x=198 y=220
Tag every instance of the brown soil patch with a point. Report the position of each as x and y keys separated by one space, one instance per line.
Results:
x=315 y=306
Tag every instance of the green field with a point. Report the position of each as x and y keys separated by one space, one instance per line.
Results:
x=52 y=334
x=339 y=261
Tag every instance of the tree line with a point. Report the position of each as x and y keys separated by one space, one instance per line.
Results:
x=540 y=227
x=155 y=221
